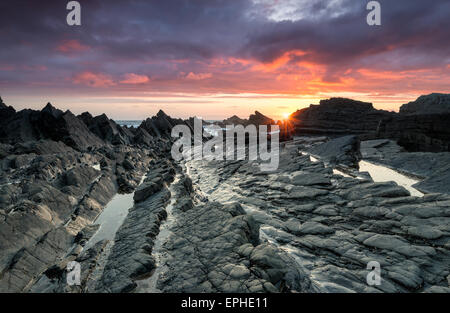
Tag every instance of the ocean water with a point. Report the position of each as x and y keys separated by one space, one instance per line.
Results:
x=136 y=123
x=129 y=123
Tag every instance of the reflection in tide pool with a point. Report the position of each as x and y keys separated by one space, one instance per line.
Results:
x=381 y=173
x=338 y=172
x=112 y=217
x=96 y=167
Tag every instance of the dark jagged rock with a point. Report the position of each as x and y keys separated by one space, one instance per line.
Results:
x=147 y=189
x=58 y=196
x=235 y=120
x=435 y=103
x=254 y=119
x=142 y=137
x=51 y=191
x=418 y=132
x=50 y=123
x=422 y=125
x=338 y=116
x=107 y=129
x=17 y=127
x=160 y=125
x=257 y=119
x=69 y=129
x=340 y=151
x=5 y=111
x=41 y=147
x=49 y=109
x=228 y=227
x=260 y=119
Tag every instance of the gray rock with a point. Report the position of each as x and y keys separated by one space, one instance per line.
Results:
x=147 y=189
x=314 y=228
x=308 y=179
x=435 y=103
x=340 y=151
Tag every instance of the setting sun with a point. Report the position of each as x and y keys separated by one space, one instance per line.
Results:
x=285 y=116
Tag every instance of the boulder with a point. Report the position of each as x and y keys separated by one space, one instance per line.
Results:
x=339 y=151
x=147 y=189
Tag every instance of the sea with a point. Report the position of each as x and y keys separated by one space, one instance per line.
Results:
x=129 y=123
x=136 y=123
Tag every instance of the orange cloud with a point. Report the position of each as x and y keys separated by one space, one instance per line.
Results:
x=280 y=61
x=198 y=76
x=68 y=46
x=93 y=79
x=131 y=78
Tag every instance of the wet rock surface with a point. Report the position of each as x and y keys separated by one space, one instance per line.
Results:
x=333 y=231
x=340 y=151
x=212 y=226
x=215 y=248
x=131 y=255
x=432 y=168
x=56 y=176
x=48 y=201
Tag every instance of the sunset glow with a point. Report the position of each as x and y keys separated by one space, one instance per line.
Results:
x=241 y=56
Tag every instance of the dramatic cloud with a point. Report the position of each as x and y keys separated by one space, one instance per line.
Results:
x=93 y=79
x=131 y=78
x=205 y=47
x=69 y=46
x=198 y=76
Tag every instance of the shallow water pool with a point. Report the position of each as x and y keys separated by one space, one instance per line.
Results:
x=381 y=173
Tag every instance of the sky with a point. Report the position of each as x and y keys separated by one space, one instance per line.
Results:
x=217 y=58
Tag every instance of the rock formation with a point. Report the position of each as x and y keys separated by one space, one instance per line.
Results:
x=212 y=226
x=49 y=123
x=420 y=126
x=254 y=119
x=337 y=116
x=160 y=125
x=107 y=129
x=435 y=103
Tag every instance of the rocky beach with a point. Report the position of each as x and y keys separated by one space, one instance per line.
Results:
x=354 y=185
